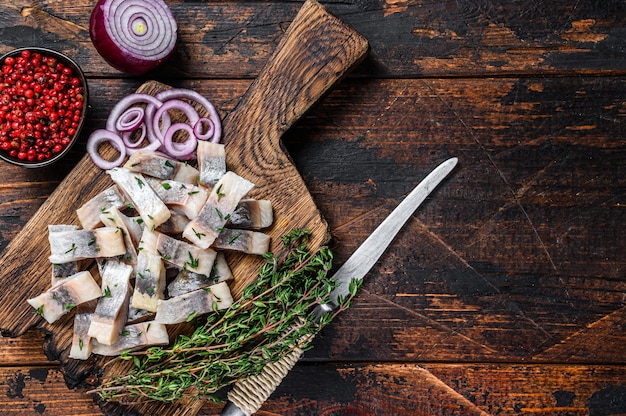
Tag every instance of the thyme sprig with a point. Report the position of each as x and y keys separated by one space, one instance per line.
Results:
x=270 y=320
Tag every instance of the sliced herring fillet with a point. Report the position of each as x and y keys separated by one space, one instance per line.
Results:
x=211 y=162
x=220 y=205
x=186 y=198
x=175 y=224
x=186 y=281
x=252 y=214
x=62 y=298
x=149 y=281
x=246 y=241
x=62 y=270
x=179 y=253
x=112 y=309
x=159 y=166
x=114 y=218
x=73 y=245
x=136 y=315
x=134 y=337
x=89 y=213
x=81 y=341
x=199 y=302
x=151 y=209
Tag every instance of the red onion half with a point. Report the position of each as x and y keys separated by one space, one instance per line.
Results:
x=133 y=36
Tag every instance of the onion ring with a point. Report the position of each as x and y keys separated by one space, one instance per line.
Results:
x=101 y=136
x=179 y=149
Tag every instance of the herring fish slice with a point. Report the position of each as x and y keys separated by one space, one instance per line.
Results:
x=211 y=162
x=89 y=213
x=112 y=309
x=62 y=298
x=252 y=214
x=114 y=218
x=222 y=201
x=134 y=337
x=187 y=281
x=186 y=198
x=63 y=270
x=199 y=302
x=73 y=245
x=179 y=253
x=175 y=224
x=246 y=241
x=149 y=281
x=151 y=209
x=159 y=166
x=81 y=341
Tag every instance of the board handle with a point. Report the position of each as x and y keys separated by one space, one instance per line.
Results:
x=317 y=50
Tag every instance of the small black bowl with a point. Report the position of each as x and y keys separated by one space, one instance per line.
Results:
x=77 y=73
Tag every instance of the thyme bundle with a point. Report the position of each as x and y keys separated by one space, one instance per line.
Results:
x=271 y=319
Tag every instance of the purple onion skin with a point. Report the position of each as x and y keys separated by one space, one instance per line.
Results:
x=113 y=54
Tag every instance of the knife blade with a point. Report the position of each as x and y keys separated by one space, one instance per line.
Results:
x=248 y=395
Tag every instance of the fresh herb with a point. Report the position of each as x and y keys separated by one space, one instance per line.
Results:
x=193 y=262
x=39 y=310
x=166 y=186
x=219 y=213
x=107 y=292
x=268 y=322
x=72 y=248
x=191 y=316
x=193 y=192
x=169 y=164
x=125 y=333
x=139 y=182
x=219 y=192
x=234 y=238
x=69 y=305
x=198 y=234
x=80 y=343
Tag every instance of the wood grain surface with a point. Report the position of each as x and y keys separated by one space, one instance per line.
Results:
x=505 y=294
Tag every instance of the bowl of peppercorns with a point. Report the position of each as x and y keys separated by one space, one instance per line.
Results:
x=43 y=106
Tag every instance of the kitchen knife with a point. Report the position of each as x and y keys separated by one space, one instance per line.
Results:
x=247 y=396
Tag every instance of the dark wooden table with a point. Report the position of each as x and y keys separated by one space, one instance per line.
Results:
x=506 y=292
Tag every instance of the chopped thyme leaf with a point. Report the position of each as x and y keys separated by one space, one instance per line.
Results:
x=234 y=238
x=193 y=263
x=80 y=343
x=125 y=333
x=166 y=186
x=69 y=305
x=198 y=235
x=73 y=248
x=219 y=192
x=219 y=213
x=91 y=242
x=192 y=192
x=39 y=310
x=107 y=292
x=135 y=164
x=139 y=182
x=191 y=316
x=169 y=164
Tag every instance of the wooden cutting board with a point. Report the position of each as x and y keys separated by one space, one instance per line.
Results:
x=316 y=51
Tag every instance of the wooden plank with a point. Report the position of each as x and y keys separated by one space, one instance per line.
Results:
x=408 y=39
x=517 y=255
x=376 y=389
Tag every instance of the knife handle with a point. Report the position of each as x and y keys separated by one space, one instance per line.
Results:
x=248 y=395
